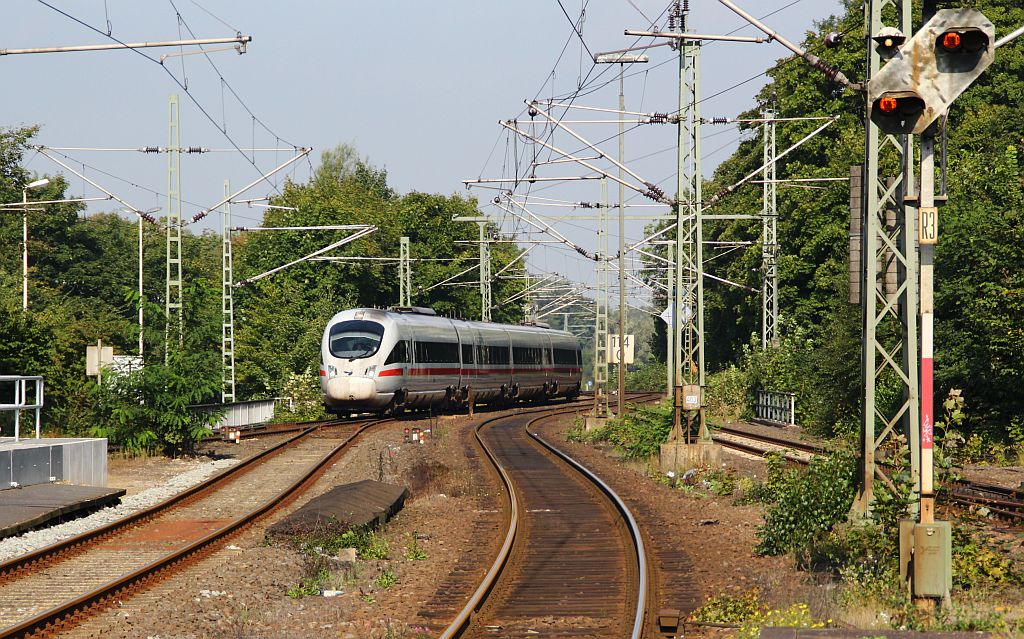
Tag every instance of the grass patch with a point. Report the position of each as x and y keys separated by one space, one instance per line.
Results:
x=413 y=552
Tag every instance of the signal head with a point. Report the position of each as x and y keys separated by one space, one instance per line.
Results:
x=961 y=49
x=897 y=112
x=927 y=73
x=889 y=38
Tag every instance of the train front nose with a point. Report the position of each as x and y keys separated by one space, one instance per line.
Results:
x=345 y=388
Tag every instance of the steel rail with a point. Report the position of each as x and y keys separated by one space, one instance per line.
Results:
x=463 y=619
x=804 y=447
x=634 y=530
x=48 y=620
x=1008 y=503
x=12 y=567
x=280 y=428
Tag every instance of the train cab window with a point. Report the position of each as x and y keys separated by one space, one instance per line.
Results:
x=399 y=354
x=355 y=339
x=467 y=353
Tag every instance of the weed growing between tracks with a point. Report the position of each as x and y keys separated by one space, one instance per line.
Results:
x=322 y=568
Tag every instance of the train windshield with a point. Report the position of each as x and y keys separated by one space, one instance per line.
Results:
x=355 y=339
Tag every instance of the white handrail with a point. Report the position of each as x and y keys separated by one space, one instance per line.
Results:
x=21 y=400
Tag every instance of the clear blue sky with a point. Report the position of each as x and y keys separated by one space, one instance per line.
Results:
x=417 y=87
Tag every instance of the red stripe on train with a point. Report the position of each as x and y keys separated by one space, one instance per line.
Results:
x=472 y=371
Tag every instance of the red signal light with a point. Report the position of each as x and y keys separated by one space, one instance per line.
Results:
x=951 y=41
x=888 y=105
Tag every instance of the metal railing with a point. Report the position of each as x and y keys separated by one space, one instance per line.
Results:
x=240 y=414
x=21 y=395
x=775 y=407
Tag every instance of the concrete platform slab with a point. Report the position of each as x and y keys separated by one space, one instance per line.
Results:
x=40 y=505
x=363 y=503
x=49 y=459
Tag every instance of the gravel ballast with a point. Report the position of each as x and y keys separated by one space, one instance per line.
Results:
x=33 y=540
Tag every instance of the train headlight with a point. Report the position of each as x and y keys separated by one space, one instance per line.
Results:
x=331 y=371
x=371 y=371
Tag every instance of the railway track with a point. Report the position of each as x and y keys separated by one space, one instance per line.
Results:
x=572 y=561
x=1005 y=503
x=54 y=587
x=283 y=428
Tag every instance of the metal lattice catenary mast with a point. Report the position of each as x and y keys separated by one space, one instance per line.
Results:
x=888 y=232
x=173 y=288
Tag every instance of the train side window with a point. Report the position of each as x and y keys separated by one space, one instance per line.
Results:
x=498 y=354
x=525 y=355
x=437 y=353
x=467 y=353
x=399 y=354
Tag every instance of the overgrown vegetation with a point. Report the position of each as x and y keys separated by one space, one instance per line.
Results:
x=638 y=434
x=749 y=615
x=413 y=551
x=978 y=276
x=807 y=517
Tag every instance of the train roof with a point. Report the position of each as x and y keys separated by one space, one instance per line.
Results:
x=424 y=312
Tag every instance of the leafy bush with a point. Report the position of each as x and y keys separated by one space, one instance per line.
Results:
x=795 y=616
x=385 y=579
x=728 y=394
x=824 y=373
x=977 y=563
x=147 y=410
x=310 y=585
x=413 y=552
x=639 y=433
x=751 y=615
x=305 y=399
x=376 y=547
x=721 y=482
x=652 y=376
x=809 y=502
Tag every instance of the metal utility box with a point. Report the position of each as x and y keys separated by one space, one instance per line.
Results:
x=933 y=551
x=40 y=461
x=926 y=557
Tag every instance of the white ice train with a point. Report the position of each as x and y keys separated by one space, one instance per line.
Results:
x=379 y=361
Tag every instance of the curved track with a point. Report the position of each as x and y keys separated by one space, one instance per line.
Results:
x=51 y=588
x=572 y=561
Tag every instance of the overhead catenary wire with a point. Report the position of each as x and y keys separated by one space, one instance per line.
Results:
x=180 y=83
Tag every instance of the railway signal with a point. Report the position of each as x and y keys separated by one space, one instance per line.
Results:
x=930 y=70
